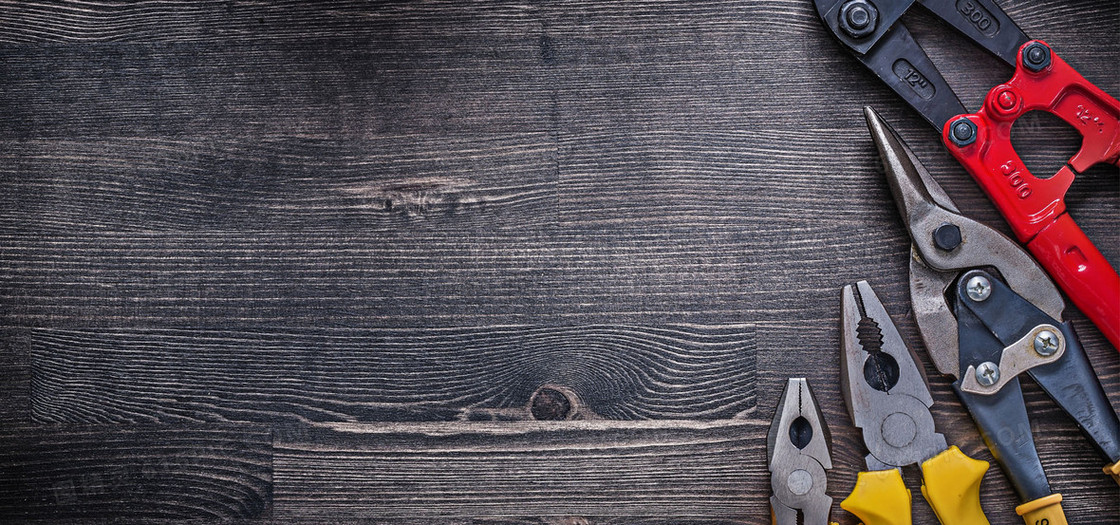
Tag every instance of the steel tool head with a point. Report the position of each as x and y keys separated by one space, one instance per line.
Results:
x=883 y=386
x=945 y=244
x=873 y=31
x=797 y=450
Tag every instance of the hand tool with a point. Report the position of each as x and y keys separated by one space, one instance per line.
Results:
x=987 y=314
x=1034 y=207
x=797 y=454
x=889 y=402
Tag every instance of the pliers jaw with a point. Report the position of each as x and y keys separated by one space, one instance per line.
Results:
x=884 y=388
x=797 y=455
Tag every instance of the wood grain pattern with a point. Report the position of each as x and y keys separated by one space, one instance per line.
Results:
x=380 y=183
x=616 y=372
x=607 y=468
x=15 y=377
x=217 y=21
x=255 y=211
x=283 y=279
x=235 y=89
x=597 y=470
x=134 y=474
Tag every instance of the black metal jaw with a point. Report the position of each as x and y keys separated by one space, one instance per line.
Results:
x=991 y=317
x=871 y=30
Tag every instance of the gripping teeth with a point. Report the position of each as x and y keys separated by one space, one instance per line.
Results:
x=869 y=334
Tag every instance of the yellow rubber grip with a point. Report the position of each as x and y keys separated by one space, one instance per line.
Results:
x=1114 y=471
x=951 y=485
x=1046 y=510
x=879 y=498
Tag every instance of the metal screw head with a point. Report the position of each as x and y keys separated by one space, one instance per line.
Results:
x=858 y=18
x=962 y=132
x=1046 y=343
x=987 y=373
x=947 y=237
x=979 y=288
x=1036 y=57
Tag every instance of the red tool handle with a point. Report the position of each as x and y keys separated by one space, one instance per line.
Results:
x=1035 y=207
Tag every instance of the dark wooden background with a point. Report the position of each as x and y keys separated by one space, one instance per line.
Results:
x=281 y=261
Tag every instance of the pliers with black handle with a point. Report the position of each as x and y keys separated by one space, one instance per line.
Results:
x=988 y=316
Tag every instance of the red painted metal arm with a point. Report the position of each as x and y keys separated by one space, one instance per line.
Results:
x=1035 y=207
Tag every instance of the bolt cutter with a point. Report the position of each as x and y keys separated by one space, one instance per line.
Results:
x=888 y=400
x=988 y=315
x=1034 y=207
x=797 y=455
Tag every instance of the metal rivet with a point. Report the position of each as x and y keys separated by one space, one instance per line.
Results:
x=947 y=237
x=962 y=132
x=979 y=288
x=1046 y=343
x=800 y=482
x=987 y=373
x=1007 y=100
x=899 y=429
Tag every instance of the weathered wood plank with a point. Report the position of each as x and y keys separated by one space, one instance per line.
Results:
x=15 y=377
x=713 y=169
x=484 y=373
x=291 y=279
x=590 y=468
x=218 y=21
x=332 y=88
x=100 y=473
x=719 y=275
x=73 y=21
x=382 y=183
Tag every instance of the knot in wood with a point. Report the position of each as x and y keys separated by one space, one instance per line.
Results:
x=550 y=404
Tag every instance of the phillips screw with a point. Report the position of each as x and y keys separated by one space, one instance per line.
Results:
x=1046 y=343
x=979 y=289
x=987 y=373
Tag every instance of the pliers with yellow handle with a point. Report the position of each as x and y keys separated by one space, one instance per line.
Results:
x=989 y=317
x=888 y=400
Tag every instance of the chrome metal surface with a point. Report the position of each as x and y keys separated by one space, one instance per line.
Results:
x=1046 y=343
x=979 y=288
x=986 y=373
